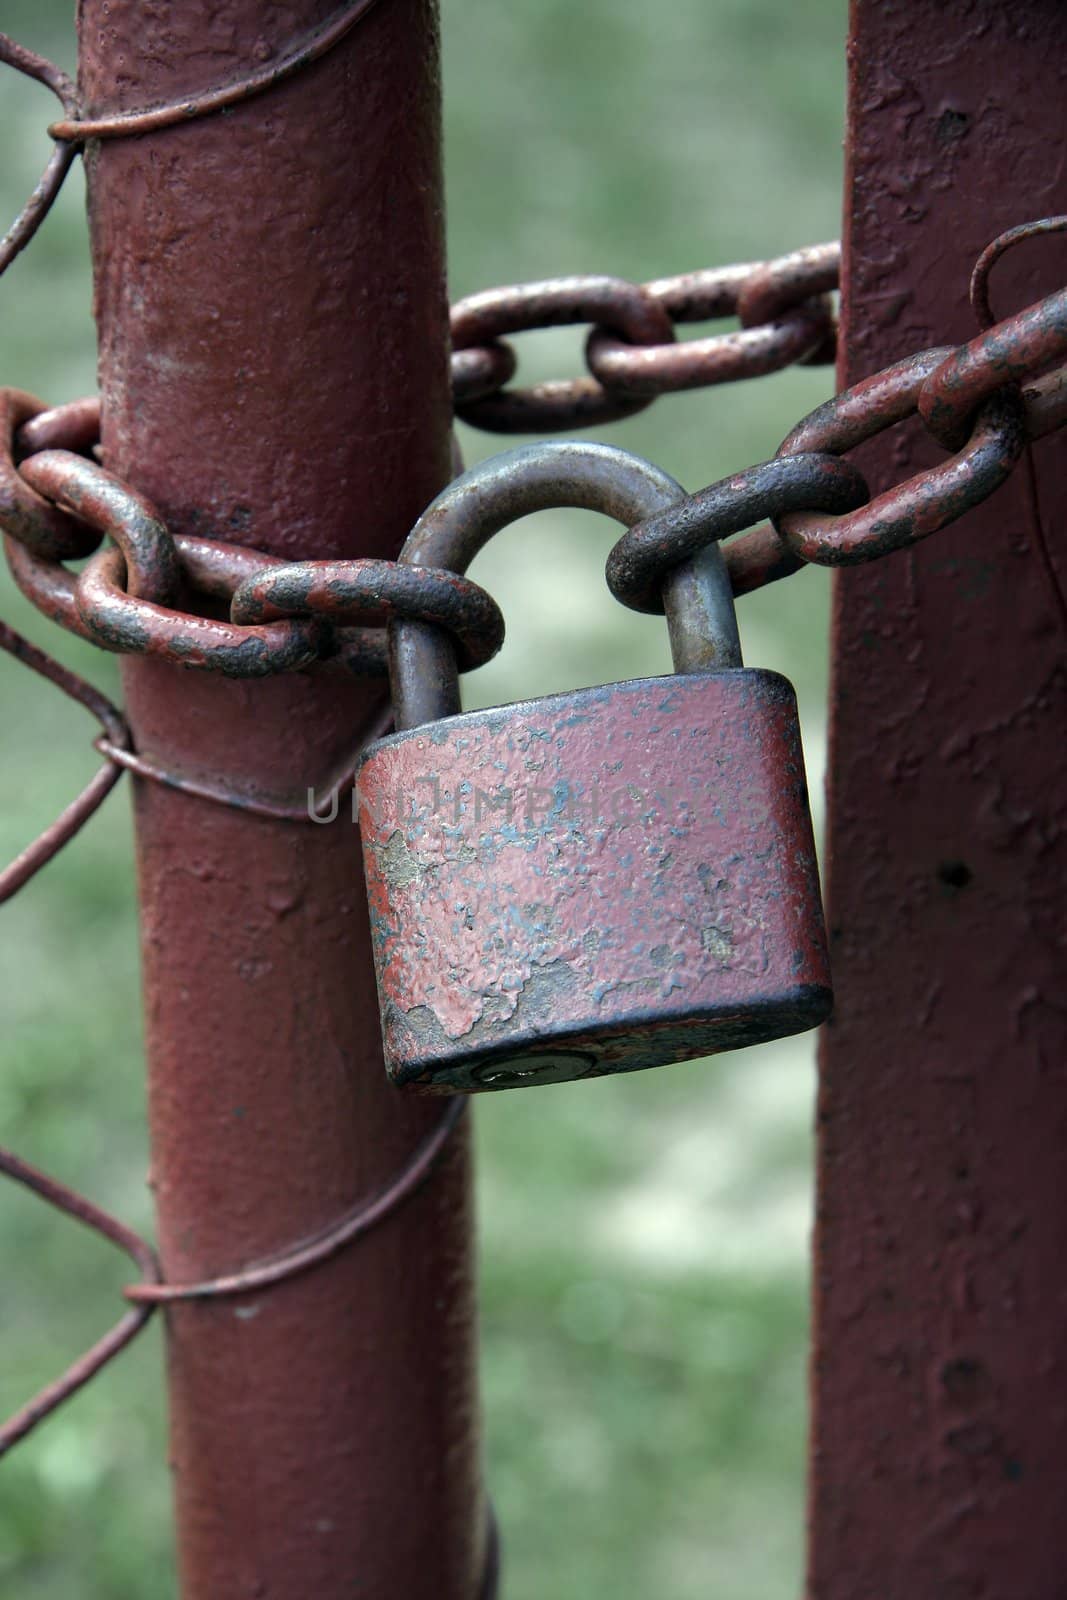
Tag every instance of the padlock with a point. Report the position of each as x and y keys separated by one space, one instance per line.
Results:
x=597 y=881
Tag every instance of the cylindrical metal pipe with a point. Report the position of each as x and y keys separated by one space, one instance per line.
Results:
x=940 y=1390
x=273 y=336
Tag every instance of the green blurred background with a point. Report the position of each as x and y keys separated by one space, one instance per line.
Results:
x=643 y=1239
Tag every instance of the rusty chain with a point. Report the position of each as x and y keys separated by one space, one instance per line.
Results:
x=632 y=353
x=982 y=402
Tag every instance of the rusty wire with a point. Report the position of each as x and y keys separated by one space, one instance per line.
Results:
x=320 y=805
x=979 y=286
x=128 y=124
x=983 y=310
x=51 y=181
x=312 y=1252
x=88 y=1365
x=150 y=1291
x=71 y=131
x=77 y=813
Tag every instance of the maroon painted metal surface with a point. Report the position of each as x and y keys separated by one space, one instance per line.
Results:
x=269 y=290
x=940 y=1368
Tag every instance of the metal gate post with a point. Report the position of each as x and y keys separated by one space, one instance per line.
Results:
x=270 y=298
x=940 y=1370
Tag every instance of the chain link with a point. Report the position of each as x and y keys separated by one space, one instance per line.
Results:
x=1001 y=355
x=640 y=561
x=632 y=352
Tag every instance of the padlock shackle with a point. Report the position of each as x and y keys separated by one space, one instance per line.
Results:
x=701 y=620
x=542 y=477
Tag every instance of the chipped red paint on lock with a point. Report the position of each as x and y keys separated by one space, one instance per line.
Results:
x=940 y=1365
x=593 y=882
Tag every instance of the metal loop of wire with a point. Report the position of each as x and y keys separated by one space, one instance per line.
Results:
x=312 y=1252
x=983 y=267
x=72 y=130
x=151 y=1291
x=115 y=743
x=51 y=181
x=320 y=803
x=625 y=308
x=128 y=124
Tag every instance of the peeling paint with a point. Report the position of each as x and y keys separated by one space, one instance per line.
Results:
x=654 y=897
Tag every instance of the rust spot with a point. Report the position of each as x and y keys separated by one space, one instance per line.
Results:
x=396 y=863
x=719 y=942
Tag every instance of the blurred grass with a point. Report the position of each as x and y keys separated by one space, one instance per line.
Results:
x=643 y=1239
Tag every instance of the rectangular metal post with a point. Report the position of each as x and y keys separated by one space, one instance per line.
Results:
x=273 y=365
x=940 y=1368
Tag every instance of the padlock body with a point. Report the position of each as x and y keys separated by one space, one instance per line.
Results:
x=593 y=882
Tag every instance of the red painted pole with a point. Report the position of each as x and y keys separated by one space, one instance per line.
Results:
x=270 y=300
x=940 y=1370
